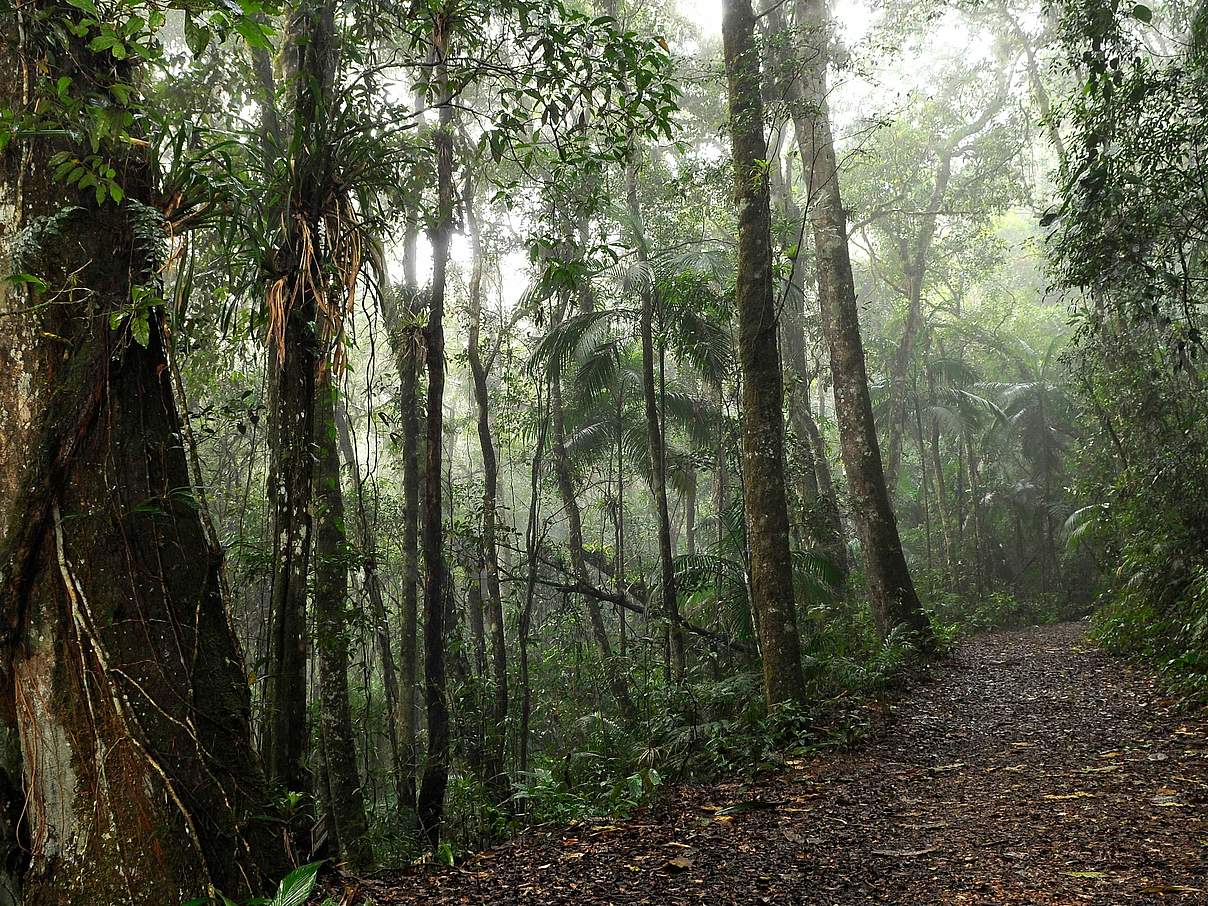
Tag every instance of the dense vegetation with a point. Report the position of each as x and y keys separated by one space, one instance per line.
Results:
x=419 y=420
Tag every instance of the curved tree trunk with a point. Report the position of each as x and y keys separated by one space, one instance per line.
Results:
x=803 y=77
x=119 y=670
x=759 y=358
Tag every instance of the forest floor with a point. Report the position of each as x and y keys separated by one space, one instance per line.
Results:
x=1029 y=768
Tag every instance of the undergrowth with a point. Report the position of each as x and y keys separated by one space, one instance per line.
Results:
x=716 y=724
x=1164 y=624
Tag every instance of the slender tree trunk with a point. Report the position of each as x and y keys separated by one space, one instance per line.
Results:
x=430 y=806
x=654 y=429
x=820 y=506
x=924 y=483
x=119 y=669
x=690 y=514
x=899 y=372
x=615 y=679
x=532 y=544
x=346 y=802
x=816 y=489
x=942 y=507
x=890 y=589
x=475 y=612
x=398 y=314
x=377 y=604
x=975 y=502
x=497 y=724
x=759 y=359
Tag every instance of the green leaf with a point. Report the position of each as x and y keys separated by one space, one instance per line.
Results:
x=36 y=282
x=253 y=33
x=297 y=886
x=197 y=36
x=140 y=329
x=102 y=42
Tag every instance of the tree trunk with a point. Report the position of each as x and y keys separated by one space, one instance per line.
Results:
x=532 y=546
x=941 y=500
x=346 y=804
x=759 y=358
x=654 y=429
x=890 y=589
x=430 y=806
x=497 y=724
x=119 y=669
x=300 y=269
x=377 y=604
x=615 y=679
x=398 y=314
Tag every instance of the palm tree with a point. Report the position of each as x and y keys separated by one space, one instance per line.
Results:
x=1039 y=412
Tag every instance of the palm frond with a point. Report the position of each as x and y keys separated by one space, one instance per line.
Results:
x=573 y=338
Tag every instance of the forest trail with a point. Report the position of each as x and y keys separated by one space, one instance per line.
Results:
x=1030 y=769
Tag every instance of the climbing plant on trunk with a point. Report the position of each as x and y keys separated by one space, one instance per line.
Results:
x=119 y=669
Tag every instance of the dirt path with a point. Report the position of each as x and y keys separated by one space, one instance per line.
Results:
x=1032 y=769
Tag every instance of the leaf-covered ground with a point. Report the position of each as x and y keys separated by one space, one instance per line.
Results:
x=1030 y=769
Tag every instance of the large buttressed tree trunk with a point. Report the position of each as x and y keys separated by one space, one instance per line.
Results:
x=119 y=669
x=890 y=588
x=759 y=358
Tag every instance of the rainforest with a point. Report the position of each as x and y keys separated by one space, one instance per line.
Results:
x=603 y=451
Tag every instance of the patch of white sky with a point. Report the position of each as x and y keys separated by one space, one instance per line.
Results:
x=874 y=83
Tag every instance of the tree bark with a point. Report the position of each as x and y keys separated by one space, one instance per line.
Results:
x=298 y=269
x=654 y=429
x=346 y=804
x=430 y=805
x=890 y=589
x=497 y=724
x=120 y=673
x=759 y=359
x=399 y=314
x=377 y=604
x=532 y=546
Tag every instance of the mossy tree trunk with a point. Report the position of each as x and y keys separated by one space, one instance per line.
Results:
x=802 y=74
x=300 y=267
x=765 y=501
x=431 y=799
x=345 y=800
x=119 y=671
